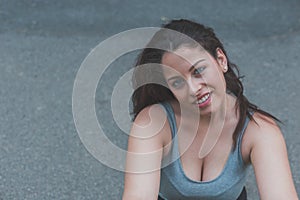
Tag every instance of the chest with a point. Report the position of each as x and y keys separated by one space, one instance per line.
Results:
x=206 y=168
x=217 y=176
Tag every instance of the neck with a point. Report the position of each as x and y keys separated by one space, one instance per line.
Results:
x=215 y=125
x=223 y=114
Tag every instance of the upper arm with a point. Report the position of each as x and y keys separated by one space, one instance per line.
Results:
x=269 y=158
x=144 y=155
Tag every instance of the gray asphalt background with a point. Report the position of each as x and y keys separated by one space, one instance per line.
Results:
x=43 y=43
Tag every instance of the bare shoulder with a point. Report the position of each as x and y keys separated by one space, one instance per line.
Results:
x=263 y=130
x=150 y=126
x=153 y=113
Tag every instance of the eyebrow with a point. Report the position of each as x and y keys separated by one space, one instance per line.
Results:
x=173 y=77
x=196 y=63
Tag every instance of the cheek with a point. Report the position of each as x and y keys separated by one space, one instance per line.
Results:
x=179 y=94
x=222 y=84
x=218 y=78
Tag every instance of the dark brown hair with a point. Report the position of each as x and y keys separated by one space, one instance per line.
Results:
x=152 y=93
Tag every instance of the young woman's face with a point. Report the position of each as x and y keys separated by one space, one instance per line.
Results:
x=196 y=78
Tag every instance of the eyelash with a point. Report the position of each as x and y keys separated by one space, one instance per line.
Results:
x=181 y=81
x=199 y=69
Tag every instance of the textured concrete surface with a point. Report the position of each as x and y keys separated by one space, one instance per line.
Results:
x=43 y=44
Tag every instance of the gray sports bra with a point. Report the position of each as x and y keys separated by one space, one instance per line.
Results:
x=174 y=184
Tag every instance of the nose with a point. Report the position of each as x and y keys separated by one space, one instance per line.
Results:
x=195 y=86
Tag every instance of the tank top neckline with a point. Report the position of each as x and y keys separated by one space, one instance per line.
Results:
x=178 y=162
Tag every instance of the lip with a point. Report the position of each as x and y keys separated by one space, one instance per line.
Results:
x=199 y=97
x=206 y=102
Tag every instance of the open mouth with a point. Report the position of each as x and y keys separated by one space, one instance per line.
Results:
x=204 y=100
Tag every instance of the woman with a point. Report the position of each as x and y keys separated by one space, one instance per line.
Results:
x=194 y=133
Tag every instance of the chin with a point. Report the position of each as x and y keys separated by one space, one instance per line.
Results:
x=206 y=112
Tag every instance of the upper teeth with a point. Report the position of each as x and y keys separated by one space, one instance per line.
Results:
x=204 y=98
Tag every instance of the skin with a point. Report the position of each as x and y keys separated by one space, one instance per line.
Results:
x=262 y=145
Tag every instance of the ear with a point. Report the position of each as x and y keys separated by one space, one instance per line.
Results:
x=222 y=59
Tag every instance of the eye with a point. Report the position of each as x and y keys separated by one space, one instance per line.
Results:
x=177 y=83
x=198 y=71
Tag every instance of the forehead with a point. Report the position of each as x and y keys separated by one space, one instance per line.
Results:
x=183 y=58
